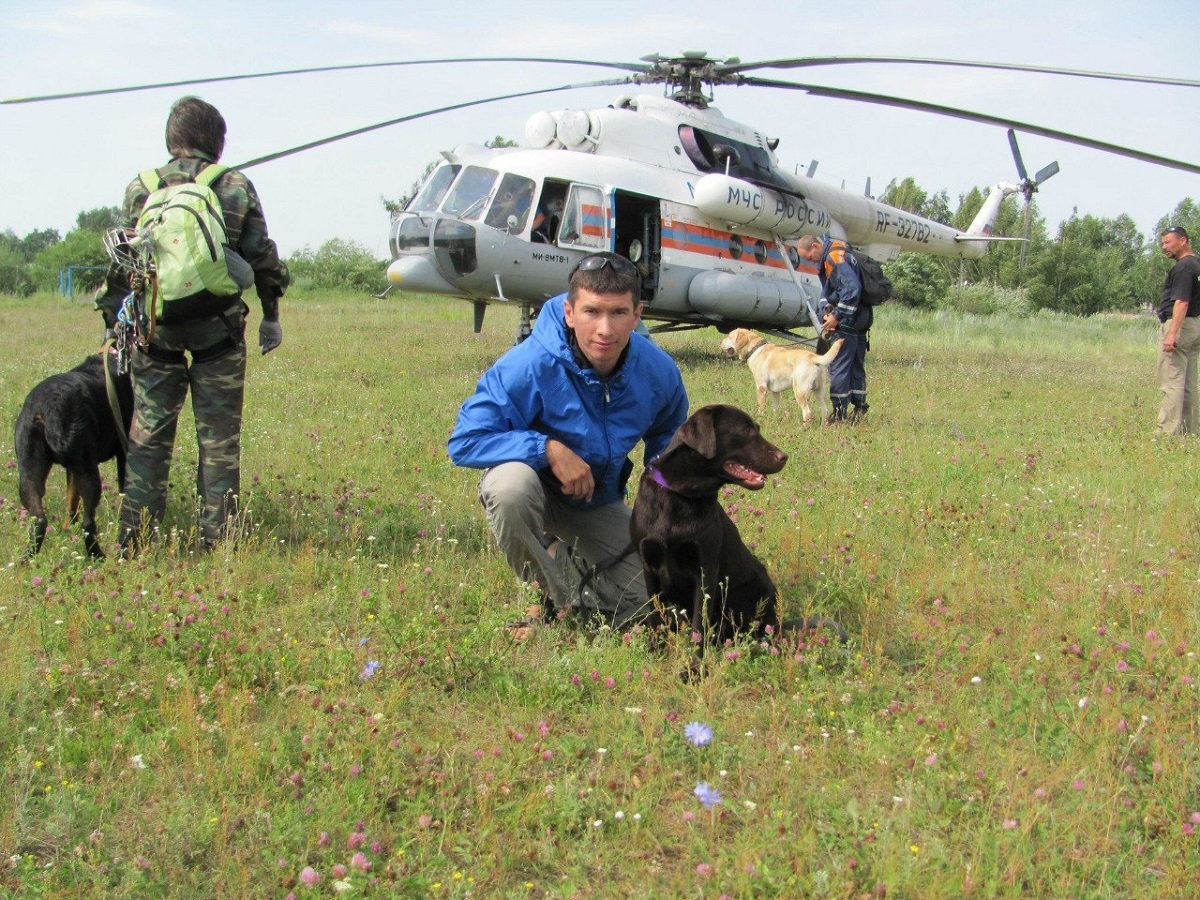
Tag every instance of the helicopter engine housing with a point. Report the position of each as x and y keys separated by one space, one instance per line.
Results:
x=739 y=202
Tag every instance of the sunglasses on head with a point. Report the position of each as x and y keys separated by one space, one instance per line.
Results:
x=620 y=265
x=1177 y=230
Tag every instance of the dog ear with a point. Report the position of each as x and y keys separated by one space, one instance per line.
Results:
x=699 y=432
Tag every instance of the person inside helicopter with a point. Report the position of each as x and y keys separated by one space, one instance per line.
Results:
x=549 y=215
x=510 y=209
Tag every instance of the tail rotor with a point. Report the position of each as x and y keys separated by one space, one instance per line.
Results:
x=1028 y=186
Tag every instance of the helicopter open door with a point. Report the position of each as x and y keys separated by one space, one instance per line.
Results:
x=638 y=236
x=629 y=223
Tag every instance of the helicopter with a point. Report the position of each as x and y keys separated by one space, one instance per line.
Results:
x=698 y=202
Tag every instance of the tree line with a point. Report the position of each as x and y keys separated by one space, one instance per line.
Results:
x=1090 y=265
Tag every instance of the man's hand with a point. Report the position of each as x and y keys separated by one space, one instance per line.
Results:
x=572 y=473
x=830 y=322
x=270 y=335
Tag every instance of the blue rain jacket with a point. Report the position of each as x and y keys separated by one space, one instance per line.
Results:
x=538 y=390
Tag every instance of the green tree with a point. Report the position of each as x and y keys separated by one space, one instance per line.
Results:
x=1187 y=215
x=37 y=241
x=1093 y=266
x=78 y=248
x=14 y=269
x=911 y=197
x=337 y=265
x=918 y=281
x=100 y=219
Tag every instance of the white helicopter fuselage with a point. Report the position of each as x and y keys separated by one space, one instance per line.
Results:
x=697 y=201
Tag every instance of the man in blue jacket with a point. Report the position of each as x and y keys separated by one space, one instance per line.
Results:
x=848 y=315
x=553 y=422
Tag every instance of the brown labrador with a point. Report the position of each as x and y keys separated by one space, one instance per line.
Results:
x=693 y=557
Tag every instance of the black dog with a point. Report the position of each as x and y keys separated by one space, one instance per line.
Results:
x=67 y=419
x=690 y=547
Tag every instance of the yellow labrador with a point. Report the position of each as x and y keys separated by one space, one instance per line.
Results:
x=776 y=368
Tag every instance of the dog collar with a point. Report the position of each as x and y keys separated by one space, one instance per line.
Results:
x=761 y=343
x=659 y=478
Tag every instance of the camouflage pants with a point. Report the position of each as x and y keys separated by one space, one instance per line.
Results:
x=161 y=379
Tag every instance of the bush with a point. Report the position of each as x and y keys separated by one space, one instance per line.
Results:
x=338 y=265
x=986 y=299
x=14 y=273
x=918 y=281
x=79 y=248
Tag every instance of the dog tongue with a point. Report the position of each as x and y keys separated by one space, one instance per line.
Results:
x=741 y=474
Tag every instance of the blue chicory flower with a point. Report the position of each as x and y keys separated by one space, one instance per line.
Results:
x=698 y=733
x=368 y=670
x=707 y=794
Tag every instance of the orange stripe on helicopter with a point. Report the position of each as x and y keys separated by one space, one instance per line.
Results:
x=593 y=220
x=717 y=244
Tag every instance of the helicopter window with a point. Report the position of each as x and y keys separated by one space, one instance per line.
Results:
x=712 y=152
x=513 y=198
x=698 y=148
x=583 y=219
x=434 y=189
x=549 y=213
x=470 y=192
x=735 y=246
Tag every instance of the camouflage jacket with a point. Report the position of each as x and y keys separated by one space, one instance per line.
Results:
x=245 y=227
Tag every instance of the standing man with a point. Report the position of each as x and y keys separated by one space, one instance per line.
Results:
x=1179 y=313
x=846 y=313
x=553 y=422
x=211 y=332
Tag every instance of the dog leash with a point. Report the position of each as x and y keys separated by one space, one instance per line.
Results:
x=114 y=403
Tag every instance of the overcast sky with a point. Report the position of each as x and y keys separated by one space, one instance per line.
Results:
x=62 y=157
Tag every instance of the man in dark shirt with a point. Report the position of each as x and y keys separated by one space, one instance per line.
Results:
x=1179 y=355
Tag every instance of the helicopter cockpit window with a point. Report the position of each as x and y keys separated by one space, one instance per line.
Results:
x=470 y=193
x=583 y=219
x=513 y=199
x=434 y=189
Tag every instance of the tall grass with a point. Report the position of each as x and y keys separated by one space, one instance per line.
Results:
x=334 y=703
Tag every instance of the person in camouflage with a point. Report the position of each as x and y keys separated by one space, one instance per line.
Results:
x=214 y=340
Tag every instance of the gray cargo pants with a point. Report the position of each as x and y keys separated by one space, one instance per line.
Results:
x=520 y=511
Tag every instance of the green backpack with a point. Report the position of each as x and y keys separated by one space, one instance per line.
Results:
x=188 y=234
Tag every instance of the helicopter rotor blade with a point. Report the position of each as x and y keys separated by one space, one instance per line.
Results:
x=1046 y=172
x=983 y=118
x=814 y=61
x=420 y=115
x=1016 y=152
x=629 y=67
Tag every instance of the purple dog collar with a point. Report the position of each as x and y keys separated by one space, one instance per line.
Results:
x=659 y=478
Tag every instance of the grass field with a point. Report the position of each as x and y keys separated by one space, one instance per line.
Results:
x=334 y=705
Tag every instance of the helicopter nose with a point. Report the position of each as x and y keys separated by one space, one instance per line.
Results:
x=418 y=273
